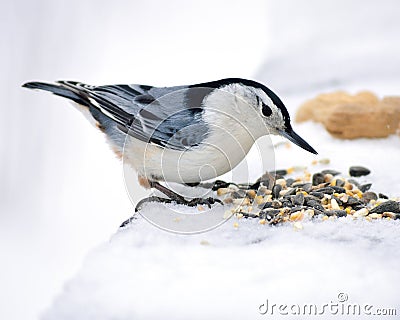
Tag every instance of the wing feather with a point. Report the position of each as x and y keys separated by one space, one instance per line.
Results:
x=163 y=116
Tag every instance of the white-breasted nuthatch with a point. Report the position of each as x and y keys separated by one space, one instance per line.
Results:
x=185 y=134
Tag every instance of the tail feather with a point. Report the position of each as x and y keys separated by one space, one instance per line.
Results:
x=58 y=90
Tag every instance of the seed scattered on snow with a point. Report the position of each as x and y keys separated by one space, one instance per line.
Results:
x=391 y=215
x=324 y=161
x=297 y=216
x=334 y=204
x=361 y=213
x=282 y=182
x=251 y=193
x=228 y=200
x=358 y=171
x=222 y=191
x=294 y=199
x=375 y=215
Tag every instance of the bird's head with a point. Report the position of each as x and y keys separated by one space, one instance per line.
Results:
x=261 y=99
x=274 y=114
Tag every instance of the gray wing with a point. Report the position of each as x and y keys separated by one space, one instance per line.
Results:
x=170 y=117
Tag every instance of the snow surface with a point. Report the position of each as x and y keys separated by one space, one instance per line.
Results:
x=146 y=273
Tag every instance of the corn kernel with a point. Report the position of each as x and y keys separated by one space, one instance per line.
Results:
x=297 y=216
x=251 y=193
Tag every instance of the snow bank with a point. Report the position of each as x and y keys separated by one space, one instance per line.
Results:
x=146 y=273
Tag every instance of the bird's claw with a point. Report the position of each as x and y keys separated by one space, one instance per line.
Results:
x=200 y=201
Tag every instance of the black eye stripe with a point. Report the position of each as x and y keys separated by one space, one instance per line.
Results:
x=266 y=111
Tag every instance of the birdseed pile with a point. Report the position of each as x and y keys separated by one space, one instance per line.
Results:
x=325 y=195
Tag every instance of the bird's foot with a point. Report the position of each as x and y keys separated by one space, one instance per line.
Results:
x=178 y=199
x=203 y=201
x=191 y=203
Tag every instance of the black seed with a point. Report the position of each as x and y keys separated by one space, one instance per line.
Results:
x=365 y=187
x=295 y=209
x=353 y=201
x=287 y=203
x=316 y=194
x=289 y=182
x=275 y=190
x=298 y=199
x=317 y=179
x=311 y=198
x=249 y=215
x=307 y=187
x=341 y=213
x=340 y=183
x=358 y=207
x=388 y=206
x=332 y=172
x=298 y=184
x=326 y=190
x=358 y=171
x=383 y=196
x=315 y=205
x=368 y=196
x=268 y=214
x=265 y=205
x=317 y=212
x=338 y=189
x=338 y=213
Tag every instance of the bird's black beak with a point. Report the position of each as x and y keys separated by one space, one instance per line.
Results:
x=296 y=139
